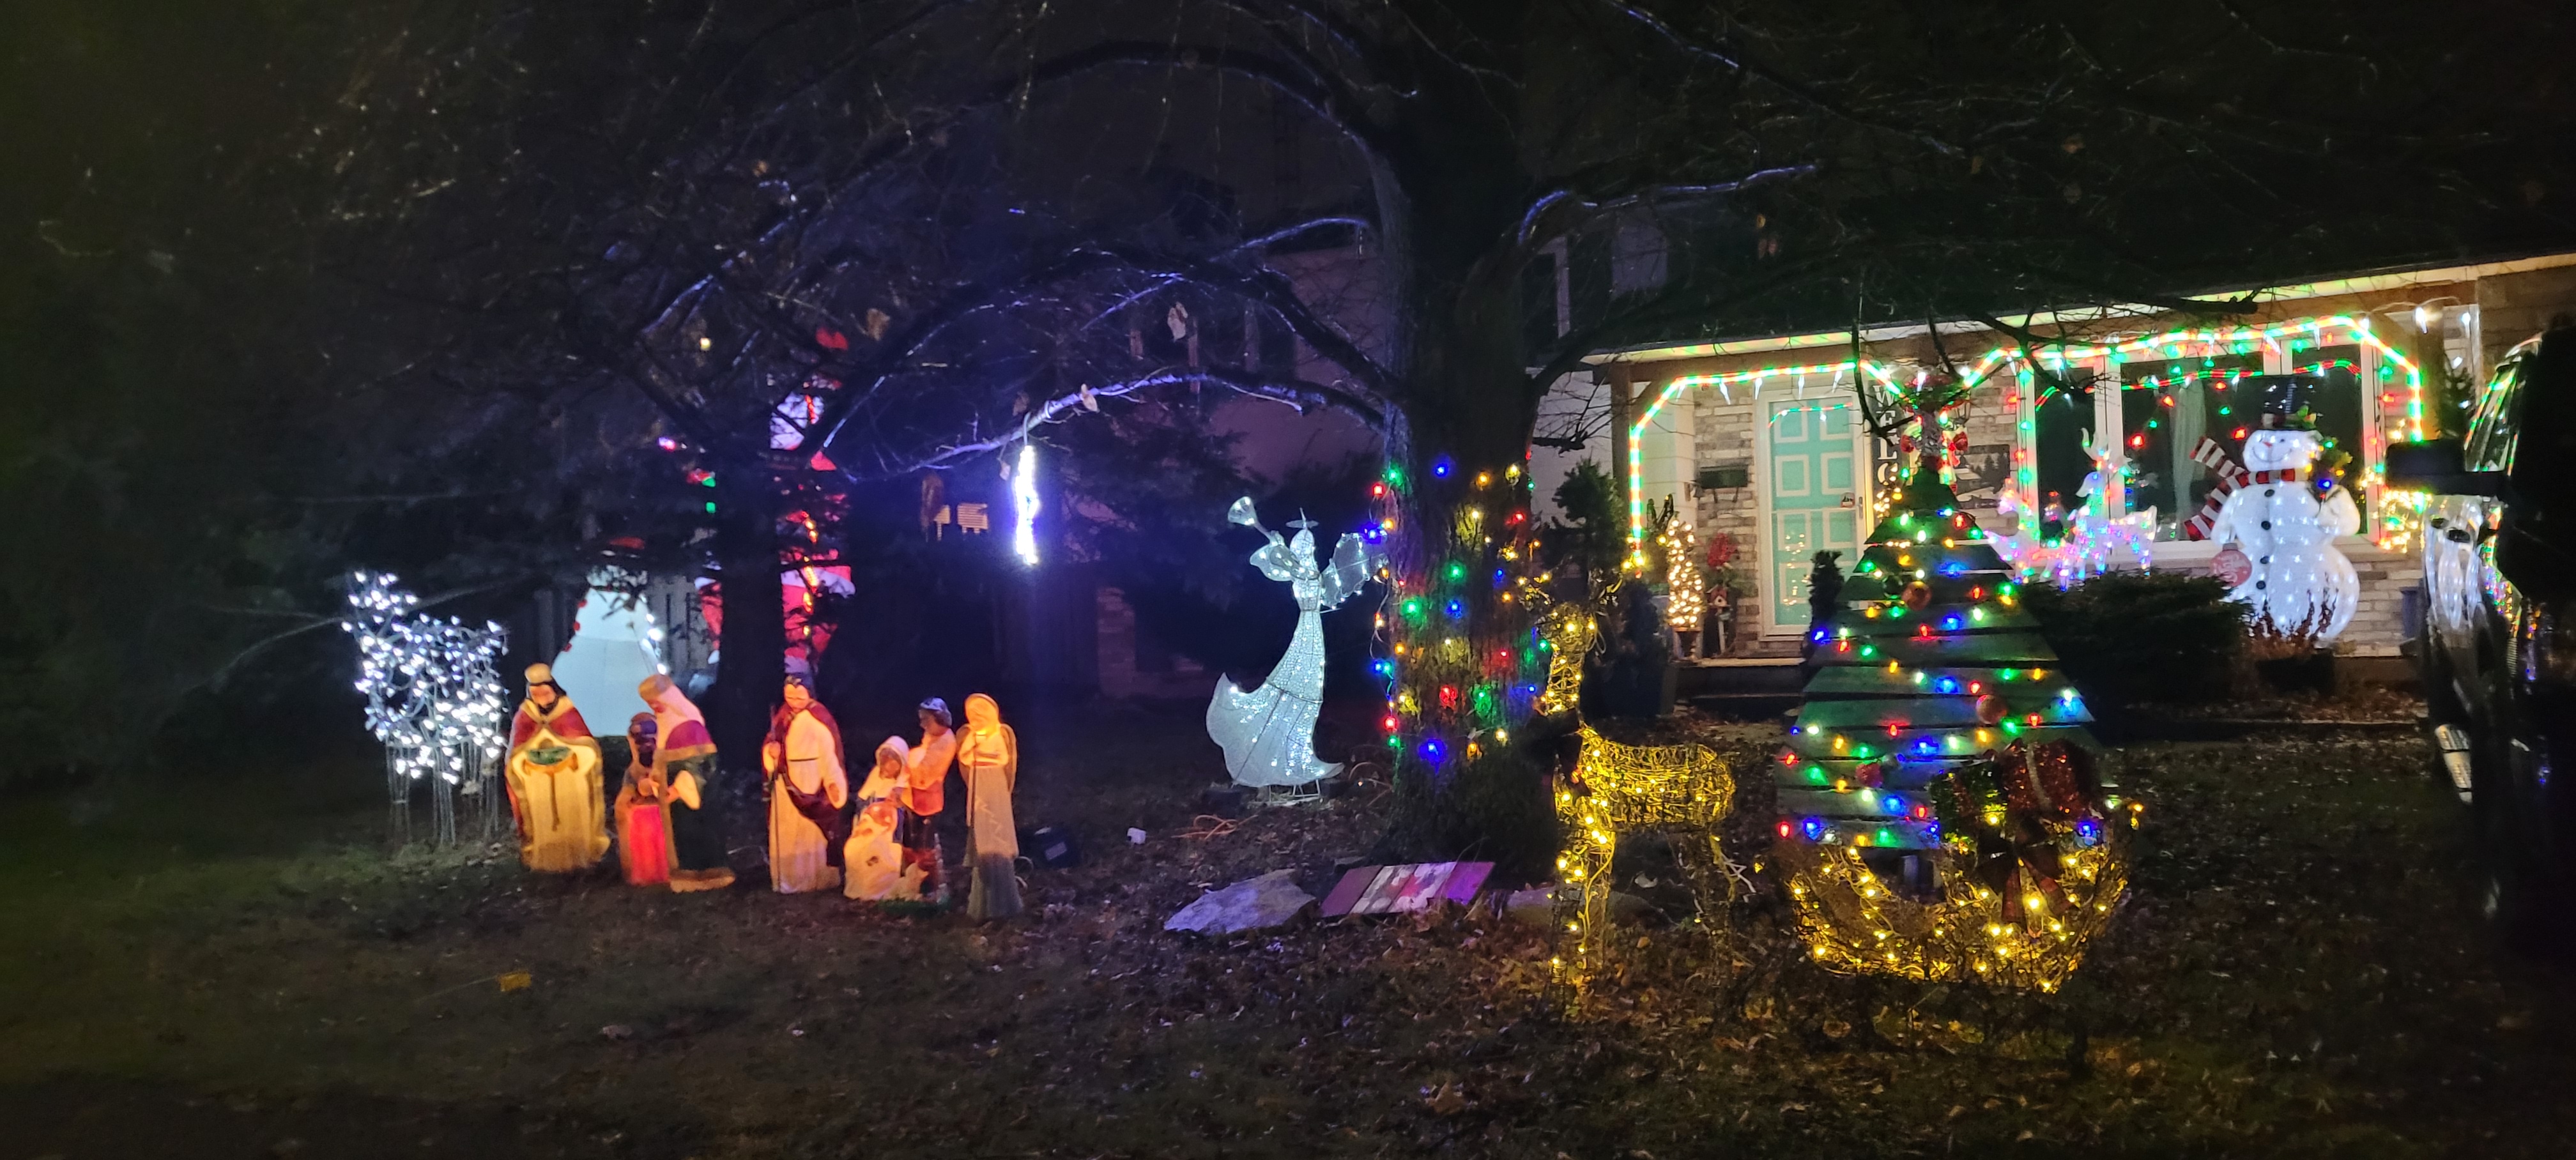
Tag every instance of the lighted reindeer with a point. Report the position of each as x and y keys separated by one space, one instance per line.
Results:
x=1612 y=789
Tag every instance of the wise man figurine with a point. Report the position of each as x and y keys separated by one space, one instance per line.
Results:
x=554 y=782
x=684 y=761
x=643 y=838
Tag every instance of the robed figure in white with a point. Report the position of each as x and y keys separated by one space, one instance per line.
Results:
x=810 y=789
x=1268 y=734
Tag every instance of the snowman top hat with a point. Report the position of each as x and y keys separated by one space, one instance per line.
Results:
x=2283 y=401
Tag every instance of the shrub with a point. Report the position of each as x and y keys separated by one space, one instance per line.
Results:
x=1491 y=808
x=2128 y=637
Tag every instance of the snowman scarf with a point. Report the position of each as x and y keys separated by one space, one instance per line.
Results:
x=2231 y=478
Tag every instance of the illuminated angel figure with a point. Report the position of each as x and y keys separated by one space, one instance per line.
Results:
x=1268 y=734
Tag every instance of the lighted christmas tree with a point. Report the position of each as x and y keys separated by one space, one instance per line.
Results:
x=1940 y=812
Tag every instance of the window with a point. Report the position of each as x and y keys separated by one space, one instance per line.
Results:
x=2062 y=434
x=2166 y=408
x=2491 y=427
x=2180 y=392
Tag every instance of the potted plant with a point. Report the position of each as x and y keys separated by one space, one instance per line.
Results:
x=1724 y=587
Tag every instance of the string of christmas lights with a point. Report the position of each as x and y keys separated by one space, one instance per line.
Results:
x=1449 y=690
x=1797 y=375
x=1682 y=584
x=2399 y=523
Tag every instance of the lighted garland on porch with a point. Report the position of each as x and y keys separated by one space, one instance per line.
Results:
x=1940 y=815
x=1858 y=372
x=2400 y=514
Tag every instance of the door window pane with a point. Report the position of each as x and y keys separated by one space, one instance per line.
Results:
x=2061 y=428
x=2336 y=402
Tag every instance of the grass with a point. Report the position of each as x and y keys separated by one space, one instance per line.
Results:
x=229 y=968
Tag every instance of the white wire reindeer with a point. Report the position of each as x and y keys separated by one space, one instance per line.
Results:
x=434 y=698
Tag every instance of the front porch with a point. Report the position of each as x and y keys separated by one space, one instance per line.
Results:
x=1757 y=442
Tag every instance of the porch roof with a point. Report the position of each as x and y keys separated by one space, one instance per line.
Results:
x=2394 y=278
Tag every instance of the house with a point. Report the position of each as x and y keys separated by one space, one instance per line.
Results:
x=1758 y=438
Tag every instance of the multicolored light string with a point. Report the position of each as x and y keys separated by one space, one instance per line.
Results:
x=1725 y=384
x=2398 y=521
x=1450 y=691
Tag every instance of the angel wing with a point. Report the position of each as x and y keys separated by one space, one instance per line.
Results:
x=1276 y=560
x=1355 y=560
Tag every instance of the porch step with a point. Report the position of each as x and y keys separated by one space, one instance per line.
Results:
x=1740 y=675
x=1746 y=706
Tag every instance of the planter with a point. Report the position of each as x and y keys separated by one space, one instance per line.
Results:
x=2313 y=673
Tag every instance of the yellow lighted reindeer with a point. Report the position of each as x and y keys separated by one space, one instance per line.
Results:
x=1681 y=790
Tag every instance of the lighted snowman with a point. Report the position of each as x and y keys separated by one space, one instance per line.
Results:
x=2295 y=578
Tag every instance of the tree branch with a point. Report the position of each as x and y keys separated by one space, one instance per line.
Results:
x=1295 y=392
x=1802 y=92
x=1317 y=99
x=1662 y=193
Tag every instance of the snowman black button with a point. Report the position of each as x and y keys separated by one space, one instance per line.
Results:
x=2267 y=492
x=2260 y=585
x=2267 y=525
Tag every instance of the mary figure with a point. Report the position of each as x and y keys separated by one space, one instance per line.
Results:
x=1268 y=734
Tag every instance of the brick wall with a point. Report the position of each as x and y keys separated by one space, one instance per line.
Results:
x=1724 y=435
x=2513 y=307
x=2378 y=625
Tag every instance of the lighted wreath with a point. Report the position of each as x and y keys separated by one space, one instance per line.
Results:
x=2032 y=863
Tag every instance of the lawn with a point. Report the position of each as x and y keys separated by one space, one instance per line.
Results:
x=227 y=963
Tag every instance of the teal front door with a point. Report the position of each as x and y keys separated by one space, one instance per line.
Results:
x=1815 y=498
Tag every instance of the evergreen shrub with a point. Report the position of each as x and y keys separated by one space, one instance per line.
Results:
x=1493 y=807
x=2132 y=637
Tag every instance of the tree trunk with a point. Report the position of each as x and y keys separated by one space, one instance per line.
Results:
x=1467 y=670
x=754 y=638
x=1464 y=669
